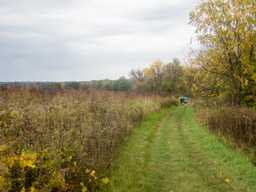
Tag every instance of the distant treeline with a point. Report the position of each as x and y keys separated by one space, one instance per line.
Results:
x=122 y=84
x=159 y=77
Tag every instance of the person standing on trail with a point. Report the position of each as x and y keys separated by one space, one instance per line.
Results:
x=185 y=101
x=181 y=99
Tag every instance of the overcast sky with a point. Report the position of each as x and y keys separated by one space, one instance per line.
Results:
x=80 y=40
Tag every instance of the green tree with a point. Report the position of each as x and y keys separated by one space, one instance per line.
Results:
x=72 y=85
x=85 y=85
x=172 y=80
x=53 y=85
x=108 y=85
x=122 y=84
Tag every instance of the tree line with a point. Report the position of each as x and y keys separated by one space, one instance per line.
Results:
x=158 y=77
x=122 y=84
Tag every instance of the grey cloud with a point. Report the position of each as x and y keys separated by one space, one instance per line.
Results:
x=83 y=40
x=166 y=13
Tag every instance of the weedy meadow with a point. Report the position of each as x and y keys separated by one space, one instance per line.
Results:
x=63 y=140
x=237 y=125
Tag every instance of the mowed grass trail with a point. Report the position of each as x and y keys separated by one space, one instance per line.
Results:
x=171 y=152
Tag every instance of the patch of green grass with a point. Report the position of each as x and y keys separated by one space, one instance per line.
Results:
x=171 y=152
x=227 y=163
x=131 y=173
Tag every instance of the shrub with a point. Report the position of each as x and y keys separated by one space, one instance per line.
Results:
x=236 y=124
x=168 y=102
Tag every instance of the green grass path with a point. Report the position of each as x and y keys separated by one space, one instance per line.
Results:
x=171 y=152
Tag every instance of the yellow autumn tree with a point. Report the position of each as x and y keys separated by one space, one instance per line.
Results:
x=154 y=75
x=149 y=79
x=227 y=32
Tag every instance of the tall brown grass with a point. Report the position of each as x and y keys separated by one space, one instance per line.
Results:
x=63 y=140
x=236 y=124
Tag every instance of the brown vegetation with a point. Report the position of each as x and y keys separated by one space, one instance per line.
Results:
x=55 y=140
x=236 y=124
